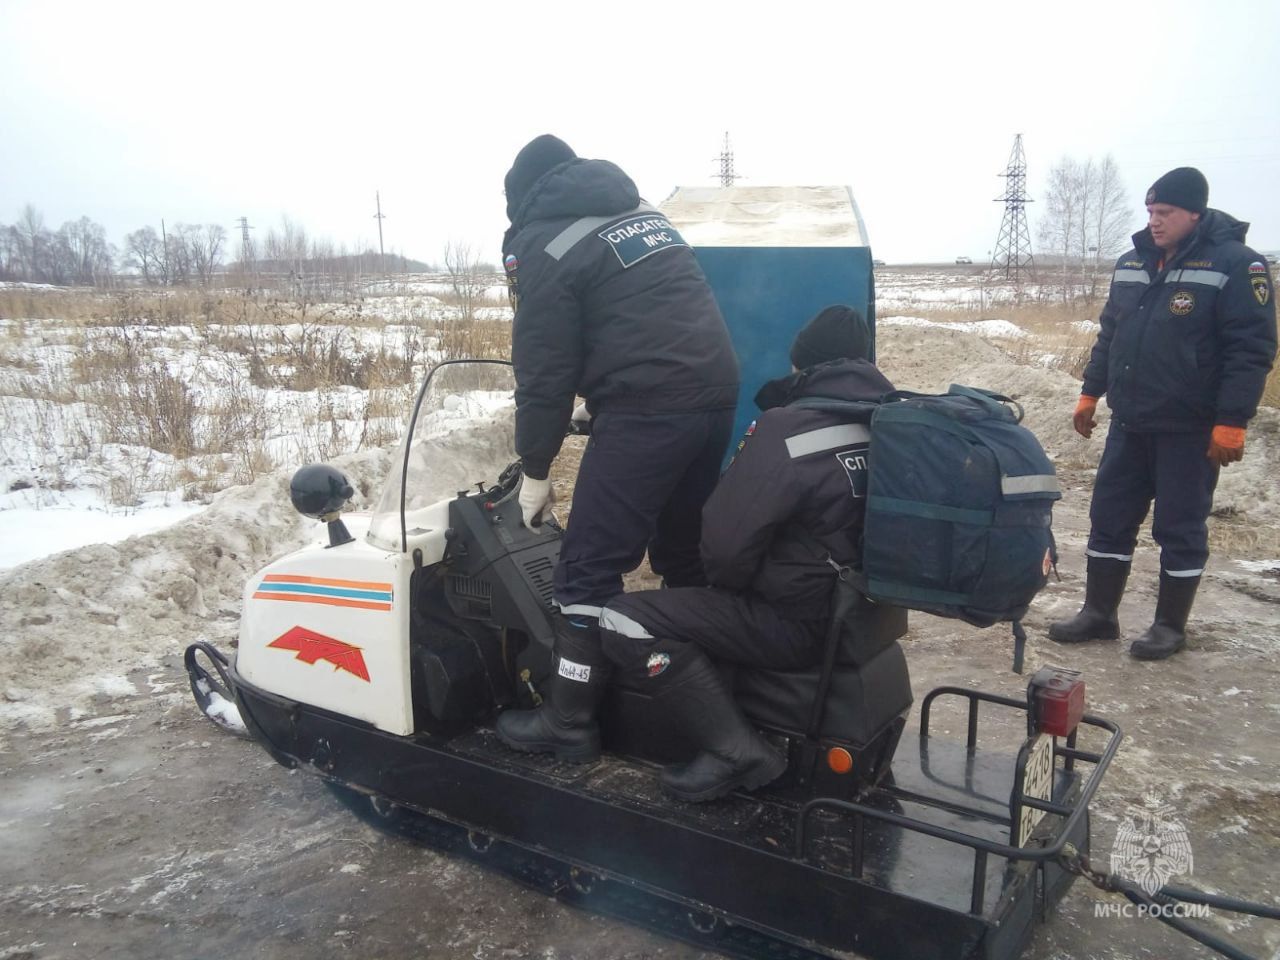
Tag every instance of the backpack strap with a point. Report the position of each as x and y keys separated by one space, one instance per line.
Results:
x=1019 y=645
x=995 y=403
x=988 y=398
x=844 y=596
x=858 y=409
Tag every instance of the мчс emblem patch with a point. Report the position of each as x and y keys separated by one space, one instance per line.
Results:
x=1181 y=303
x=1261 y=290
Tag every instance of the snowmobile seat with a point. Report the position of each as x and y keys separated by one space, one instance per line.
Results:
x=864 y=711
x=870 y=686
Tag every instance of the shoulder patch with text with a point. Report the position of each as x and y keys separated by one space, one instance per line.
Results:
x=854 y=462
x=637 y=237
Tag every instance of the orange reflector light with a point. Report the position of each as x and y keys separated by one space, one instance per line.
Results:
x=839 y=760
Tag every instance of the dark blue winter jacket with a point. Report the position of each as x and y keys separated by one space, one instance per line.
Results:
x=795 y=493
x=610 y=304
x=1186 y=344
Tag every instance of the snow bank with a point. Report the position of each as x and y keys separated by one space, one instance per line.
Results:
x=72 y=625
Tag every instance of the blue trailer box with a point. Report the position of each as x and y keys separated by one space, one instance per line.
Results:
x=774 y=256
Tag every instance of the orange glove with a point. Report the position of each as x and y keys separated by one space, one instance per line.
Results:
x=1226 y=445
x=1082 y=419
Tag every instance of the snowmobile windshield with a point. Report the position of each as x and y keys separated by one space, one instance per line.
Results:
x=461 y=433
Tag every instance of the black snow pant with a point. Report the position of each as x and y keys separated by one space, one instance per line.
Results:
x=636 y=628
x=641 y=486
x=1170 y=468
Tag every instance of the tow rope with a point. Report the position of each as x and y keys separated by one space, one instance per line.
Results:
x=1170 y=895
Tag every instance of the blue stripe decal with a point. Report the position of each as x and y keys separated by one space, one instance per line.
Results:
x=274 y=586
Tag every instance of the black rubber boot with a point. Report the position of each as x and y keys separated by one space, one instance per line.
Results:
x=1168 y=634
x=565 y=723
x=1097 y=619
x=733 y=754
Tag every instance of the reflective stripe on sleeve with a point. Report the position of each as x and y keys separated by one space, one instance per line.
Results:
x=827 y=438
x=565 y=240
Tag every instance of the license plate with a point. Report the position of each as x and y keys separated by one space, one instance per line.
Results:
x=1037 y=782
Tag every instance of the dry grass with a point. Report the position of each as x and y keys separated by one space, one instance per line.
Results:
x=1058 y=340
x=1056 y=329
x=198 y=377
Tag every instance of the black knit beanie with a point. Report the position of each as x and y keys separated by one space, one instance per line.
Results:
x=837 y=333
x=536 y=157
x=1183 y=187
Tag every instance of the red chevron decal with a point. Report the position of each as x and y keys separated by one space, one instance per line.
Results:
x=312 y=647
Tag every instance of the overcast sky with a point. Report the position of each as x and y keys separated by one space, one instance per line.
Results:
x=129 y=112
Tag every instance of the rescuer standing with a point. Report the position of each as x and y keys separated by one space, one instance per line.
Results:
x=1188 y=337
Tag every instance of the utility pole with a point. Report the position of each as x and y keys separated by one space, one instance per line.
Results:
x=727 y=176
x=379 y=217
x=1013 y=257
x=164 y=247
x=247 y=258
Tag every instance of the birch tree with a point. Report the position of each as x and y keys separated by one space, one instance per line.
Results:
x=1086 y=221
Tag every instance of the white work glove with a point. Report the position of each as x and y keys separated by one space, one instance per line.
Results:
x=580 y=422
x=535 y=497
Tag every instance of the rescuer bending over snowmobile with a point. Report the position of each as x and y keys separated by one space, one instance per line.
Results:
x=609 y=304
x=791 y=501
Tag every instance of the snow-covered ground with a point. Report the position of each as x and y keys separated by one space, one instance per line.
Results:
x=37 y=524
x=119 y=424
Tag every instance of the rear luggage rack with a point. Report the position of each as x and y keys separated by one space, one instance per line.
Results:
x=1044 y=849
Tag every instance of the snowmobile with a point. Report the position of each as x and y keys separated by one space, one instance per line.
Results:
x=377 y=659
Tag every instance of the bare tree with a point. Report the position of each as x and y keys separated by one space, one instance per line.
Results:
x=10 y=261
x=1086 y=219
x=84 y=254
x=1113 y=217
x=34 y=245
x=1059 y=229
x=144 y=252
x=467 y=276
x=177 y=249
x=204 y=246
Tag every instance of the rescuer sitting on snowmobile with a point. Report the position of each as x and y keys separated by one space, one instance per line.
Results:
x=610 y=304
x=792 y=498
